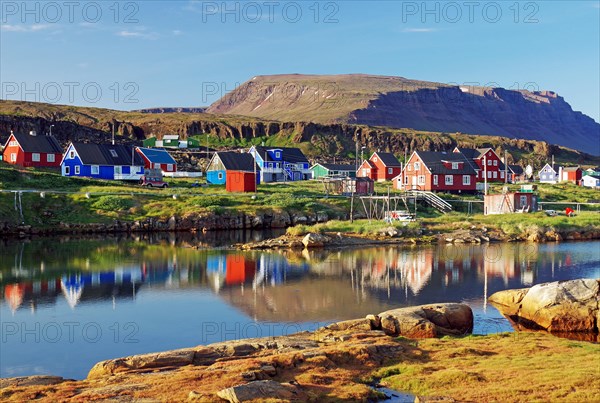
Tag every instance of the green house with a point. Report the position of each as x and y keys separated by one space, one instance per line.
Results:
x=321 y=170
x=149 y=142
x=193 y=142
x=170 y=141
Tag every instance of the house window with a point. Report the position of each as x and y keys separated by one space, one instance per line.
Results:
x=489 y=174
x=13 y=157
x=466 y=180
x=502 y=174
x=435 y=180
x=417 y=166
x=495 y=174
x=67 y=170
x=50 y=158
x=489 y=162
x=495 y=163
x=13 y=143
x=72 y=154
x=113 y=153
x=406 y=180
x=156 y=165
x=35 y=157
x=421 y=179
x=365 y=173
x=277 y=154
x=455 y=165
x=169 y=167
x=220 y=175
x=95 y=170
x=118 y=170
x=77 y=169
x=410 y=167
x=375 y=159
x=448 y=180
x=390 y=171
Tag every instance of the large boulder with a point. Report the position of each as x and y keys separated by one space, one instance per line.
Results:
x=561 y=306
x=428 y=320
x=259 y=391
x=312 y=240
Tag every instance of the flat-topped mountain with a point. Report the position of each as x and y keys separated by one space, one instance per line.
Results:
x=398 y=102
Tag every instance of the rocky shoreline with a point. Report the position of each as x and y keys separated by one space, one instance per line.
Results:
x=346 y=361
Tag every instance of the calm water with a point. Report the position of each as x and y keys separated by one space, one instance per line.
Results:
x=68 y=303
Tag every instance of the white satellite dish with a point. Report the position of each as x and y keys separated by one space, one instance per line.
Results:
x=529 y=171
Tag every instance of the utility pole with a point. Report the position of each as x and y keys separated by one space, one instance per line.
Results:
x=485 y=188
x=505 y=168
x=113 y=132
x=254 y=166
x=51 y=126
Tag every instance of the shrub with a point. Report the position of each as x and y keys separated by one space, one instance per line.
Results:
x=113 y=203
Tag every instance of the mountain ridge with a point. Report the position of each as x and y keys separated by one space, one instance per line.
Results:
x=398 y=102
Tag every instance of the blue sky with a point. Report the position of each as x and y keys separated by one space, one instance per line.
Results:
x=136 y=54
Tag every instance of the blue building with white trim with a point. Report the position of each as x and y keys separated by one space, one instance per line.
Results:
x=281 y=164
x=101 y=161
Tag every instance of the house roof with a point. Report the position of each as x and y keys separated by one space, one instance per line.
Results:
x=516 y=169
x=555 y=167
x=100 y=154
x=474 y=153
x=170 y=137
x=571 y=169
x=288 y=154
x=597 y=177
x=38 y=144
x=433 y=161
x=234 y=161
x=388 y=159
x=157 y=155
x=338 y=167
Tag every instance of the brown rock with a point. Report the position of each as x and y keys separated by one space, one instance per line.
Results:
x=35 y=380
x=354 y=324
x=258 y=390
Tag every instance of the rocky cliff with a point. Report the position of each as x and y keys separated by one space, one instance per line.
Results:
x=324 y=141
x=401 y=103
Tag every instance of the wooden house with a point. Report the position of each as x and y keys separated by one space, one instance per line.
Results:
x=437 y=172
x=102 y=161
x=320 y=170
x=157 y=158
x=380 y=167
x=549 y=173
x=31 y=150
x=516 y=174
x=358 y=186
x=484 y=160
x=570 y=174
x=591 y=181
x=234 y=170
x=510 y=202
x=281 y=164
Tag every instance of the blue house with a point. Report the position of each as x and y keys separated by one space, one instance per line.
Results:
x=224 y=161
x=549 y=173
x=281 y=164
x=102 y=161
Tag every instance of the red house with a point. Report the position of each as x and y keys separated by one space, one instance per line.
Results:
x=437 y=172
x=570 y=174
x=157 y=158
x=380 y=167
x=32 y=150
x=484 y=160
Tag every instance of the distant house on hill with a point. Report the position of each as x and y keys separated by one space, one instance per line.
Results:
x=31 y=150
x=102 y=161
x=437 y=172
x=320 y=170
x=281 y=164
x=171 y=141
x=549 y=173
x=484 y=160
x=157 y=158
x=234 y=170
x=516 y=173
x=380 y=167
x=591 y=181
x=570 y=174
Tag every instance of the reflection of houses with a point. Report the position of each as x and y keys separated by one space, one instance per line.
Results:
x=42 y=292
x=120 y=283
x=230 y=269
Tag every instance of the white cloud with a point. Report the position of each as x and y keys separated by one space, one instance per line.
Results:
x=419 y=30
x=177 y=32
x=139 y=33
x=25 y=28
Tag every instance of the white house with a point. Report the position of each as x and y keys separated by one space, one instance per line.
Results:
x=591 y=181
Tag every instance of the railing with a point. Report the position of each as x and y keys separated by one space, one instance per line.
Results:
x=128 y=177
x=180 y=174
x=432 y=199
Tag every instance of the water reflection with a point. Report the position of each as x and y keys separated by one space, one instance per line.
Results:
x=171 y=290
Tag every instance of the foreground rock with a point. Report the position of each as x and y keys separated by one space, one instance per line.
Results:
x=562 y=306
x=324 y=365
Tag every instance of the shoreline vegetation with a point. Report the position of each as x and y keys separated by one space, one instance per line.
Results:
x=54 y=205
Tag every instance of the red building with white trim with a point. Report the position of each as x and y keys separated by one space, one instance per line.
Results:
x=30 y=150
x=380 y=167
x=479 y=156
x=437 y=172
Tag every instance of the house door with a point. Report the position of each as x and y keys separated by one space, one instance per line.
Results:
x=414 y=182
x=65 y=170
